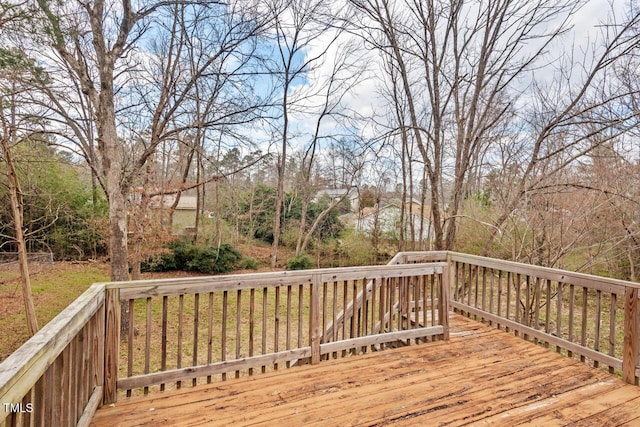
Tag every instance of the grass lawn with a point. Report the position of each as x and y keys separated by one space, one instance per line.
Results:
x=53 y=289
x=56 y=286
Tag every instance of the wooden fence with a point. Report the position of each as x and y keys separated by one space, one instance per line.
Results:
x=197 y=330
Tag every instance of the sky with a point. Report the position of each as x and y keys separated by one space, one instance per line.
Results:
x=577 y=45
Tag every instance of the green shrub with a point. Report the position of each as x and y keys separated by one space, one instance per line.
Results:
x=300 y=262
x=249 y=264
x=160 y=262
x=189 y=257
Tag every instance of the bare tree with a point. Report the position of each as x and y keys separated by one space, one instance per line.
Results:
x=470 y=62
x=98 y=43
x=299 y=25
x=343 y=75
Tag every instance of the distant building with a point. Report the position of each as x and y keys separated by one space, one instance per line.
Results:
x=184 y=217
x=386 y=219
x=333 y=194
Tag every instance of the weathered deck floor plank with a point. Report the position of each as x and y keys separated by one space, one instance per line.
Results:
x=481 y=377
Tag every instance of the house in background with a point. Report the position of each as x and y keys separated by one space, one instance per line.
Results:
x=333 y=194
x=385 y=219
x=184 y=216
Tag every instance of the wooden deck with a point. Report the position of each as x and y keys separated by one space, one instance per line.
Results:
x=482 y=376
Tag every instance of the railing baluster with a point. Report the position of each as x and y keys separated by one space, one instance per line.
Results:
x=365 y=311
x=423 y=297
x=276 y=325
x=288 y=329
x=571 y=314
x=547 y=322
x=325 y=302
x=598 y=313
x=518 y=301
x=196 y=321
x=559 y=313
x=612 y=329
x=382 y=304
x=334 y=331
x=209 y=334
x=300 y=314
x=79 y=377
x=459 y=273
x=406 y=285
x=67 y=383
x=527 y=304
x=508 y=311
x=344 y=308
x=84 y=371
x=583 y=326
x=252 y=324
x=538 y=301
x=484 y=289
x=180 y=334
x=75 y=378
x=163 y=340
x=374 y=284
x=476 y=288
x=147 y=347
x=264 y=325
x=491 y=292
x=314 y=319
x=393 y=314
x=223 y=332
x=354 y=312
x=130 y=334
x=499 y=308
x=238 y=327
x=469 y=286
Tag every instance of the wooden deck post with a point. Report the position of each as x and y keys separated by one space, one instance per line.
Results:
x=631 y=335
x=448 y=279
x=111 y=344
x=315 y=333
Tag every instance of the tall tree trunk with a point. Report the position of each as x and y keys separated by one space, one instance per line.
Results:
x=117 y=190
x=15 y=194
x=282 y=162
x=279 y=202
x=303 y=221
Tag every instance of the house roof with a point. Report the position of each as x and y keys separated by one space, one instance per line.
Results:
x=185 y=202
x=334 y=192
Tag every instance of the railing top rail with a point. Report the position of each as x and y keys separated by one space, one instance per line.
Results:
x=569 y=277
x=147 y=288
x=430 y=254
x=22 y=369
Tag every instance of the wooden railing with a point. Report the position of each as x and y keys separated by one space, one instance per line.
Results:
x=195 y=330
x=56 y=377
x=353 y=307
x=582 y=316
x=204 y=329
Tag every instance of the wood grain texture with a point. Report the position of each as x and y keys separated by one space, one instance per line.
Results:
x=480 y=376
x=112 y=345
x=631 y=335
